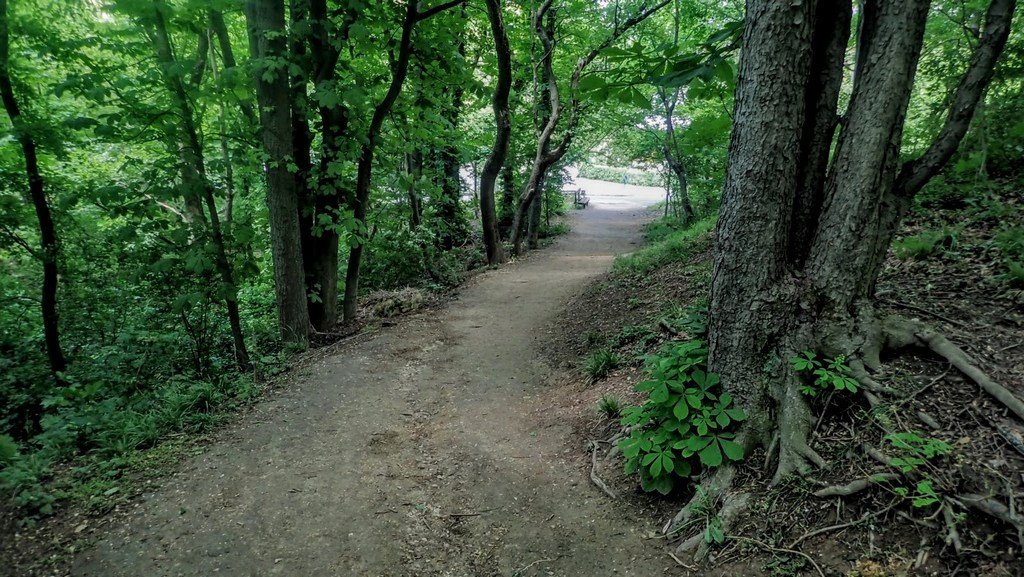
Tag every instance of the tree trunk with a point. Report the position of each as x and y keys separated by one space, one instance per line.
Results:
x=542 y=113
x=196 y=182
x=503 y=133
x=317 y=203
x=452 y=222
x=508 y=199
x=50 y=246
x=674 y=156
x=274 y=98
x=413 y=170
x=771 y=297
x=365 y=167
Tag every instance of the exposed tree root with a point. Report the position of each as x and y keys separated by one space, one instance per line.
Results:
x=732 y=508
x=704 y=500
x=857 y=486
x=795 y=422
x=941 y=346
x=787 y=434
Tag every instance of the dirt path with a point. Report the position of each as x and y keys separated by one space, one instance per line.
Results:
x=417 y=451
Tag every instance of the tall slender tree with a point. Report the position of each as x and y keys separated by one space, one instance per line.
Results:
x=193 y=170
x=502 y=135
x=49 y=250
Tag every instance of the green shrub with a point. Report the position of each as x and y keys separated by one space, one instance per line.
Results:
x=830 y=373
x=687 y=423
x=1010 y=245
x=615 y=174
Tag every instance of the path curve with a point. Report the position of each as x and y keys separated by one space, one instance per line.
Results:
x=415 y=451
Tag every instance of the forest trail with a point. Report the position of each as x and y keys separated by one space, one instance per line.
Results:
x=417 y=450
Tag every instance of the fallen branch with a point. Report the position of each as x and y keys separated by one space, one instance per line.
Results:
x=952 y=535
x=667 y=328
x=593 y=471
x=992 y=508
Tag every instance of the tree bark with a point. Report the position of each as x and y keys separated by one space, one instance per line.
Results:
x=274 y=98
x=800 y=241
x=503 y=133
x=50 y=245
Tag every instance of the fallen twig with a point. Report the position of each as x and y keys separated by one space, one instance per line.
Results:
x=593 y=471
x=473 y=514
x=779 y=550
x=924 y=311
x=681 y=564
x=952 y=535
x=520 y=571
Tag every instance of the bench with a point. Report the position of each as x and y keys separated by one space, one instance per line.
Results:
x=580 y=198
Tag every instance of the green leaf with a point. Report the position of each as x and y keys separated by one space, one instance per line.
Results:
x=649 y=458
x=656 y=468
x=660 y=393
x=592 y=82
x=681 y=410
x=667 y=463
x=732 y=449
x=711 y=455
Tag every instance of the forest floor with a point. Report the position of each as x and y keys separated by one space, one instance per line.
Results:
x=424 y=448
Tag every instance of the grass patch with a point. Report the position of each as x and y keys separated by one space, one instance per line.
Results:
x=666 y=244
x=600 y=363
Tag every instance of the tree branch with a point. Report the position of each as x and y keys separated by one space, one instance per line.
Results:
x=916 y=173
x=421 y=16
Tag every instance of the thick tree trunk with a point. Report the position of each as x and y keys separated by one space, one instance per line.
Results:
x=274 y=99
x=50 y=247
x=196 y=182
x=503 y=133
x=800 y=242
x=319 y=194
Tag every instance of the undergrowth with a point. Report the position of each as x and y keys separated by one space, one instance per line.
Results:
x=666 y=243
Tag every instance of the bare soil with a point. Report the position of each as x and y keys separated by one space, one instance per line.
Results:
x=425 y=448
